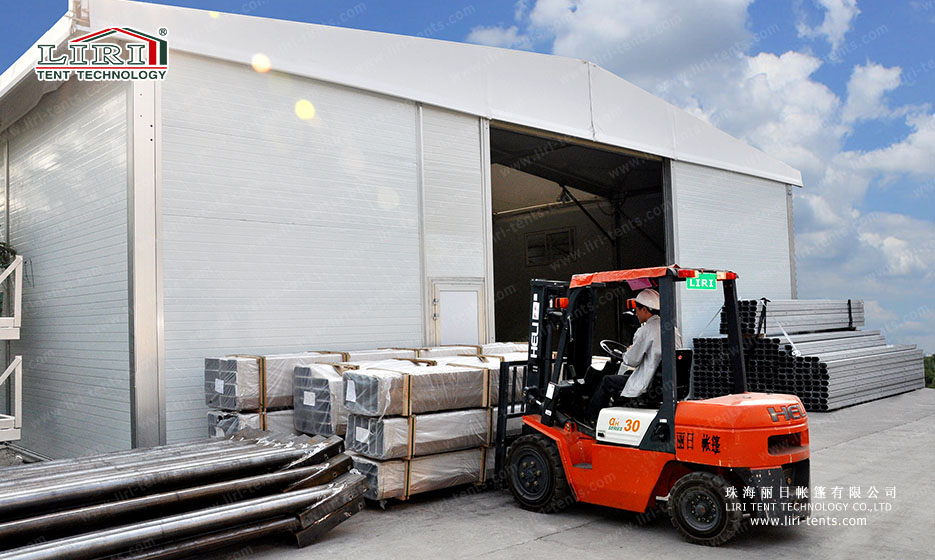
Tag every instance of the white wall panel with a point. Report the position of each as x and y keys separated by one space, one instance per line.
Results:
x=729 y=221
x=281 y=233
x=454 y=197
x=68 y=218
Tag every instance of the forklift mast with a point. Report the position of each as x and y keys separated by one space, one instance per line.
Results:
x=543 y=321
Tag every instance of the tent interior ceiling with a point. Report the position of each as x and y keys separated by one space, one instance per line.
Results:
x=600 y=173
x=514 y=190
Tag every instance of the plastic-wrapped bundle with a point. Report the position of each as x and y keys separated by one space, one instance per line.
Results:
x=223 y=423
x=233 y=382
x=401 y=478
x=407 y=388
x=379 y=354
x=446 y=351
x=212 y=374
x=424 y=434
x=503 y=348
x=318 y=400
x=492 y=365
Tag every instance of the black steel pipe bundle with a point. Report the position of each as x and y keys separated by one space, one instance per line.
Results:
x=179 y=500
x=826 y=370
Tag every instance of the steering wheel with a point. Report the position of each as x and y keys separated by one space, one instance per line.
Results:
x=613 y=349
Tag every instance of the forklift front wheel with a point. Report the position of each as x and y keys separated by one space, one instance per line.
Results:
x=537 y=479
x=701 y=510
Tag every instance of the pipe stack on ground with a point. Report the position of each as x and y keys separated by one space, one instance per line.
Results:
x=178 y=501
x=829 y=369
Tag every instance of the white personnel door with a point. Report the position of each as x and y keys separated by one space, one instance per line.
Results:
x=458 y=312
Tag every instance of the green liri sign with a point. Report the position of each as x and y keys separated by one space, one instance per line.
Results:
x=704 y=281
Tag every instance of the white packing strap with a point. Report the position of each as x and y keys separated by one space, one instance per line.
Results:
x=713 y=317
x=795 y=351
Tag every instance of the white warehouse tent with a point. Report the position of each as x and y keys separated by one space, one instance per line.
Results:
x=370 y=190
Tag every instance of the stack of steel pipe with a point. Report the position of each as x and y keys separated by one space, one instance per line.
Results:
x=178 y=501
x=797 y=315
x=827 y=370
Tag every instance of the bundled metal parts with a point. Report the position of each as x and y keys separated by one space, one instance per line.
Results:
x=248 y=383
x=178 y=501
x=413 y=423
x=828 y=370
x=790 y=316
x=319 y=391
x=248 y=391
x=398 y=437
x=318 y=400
x=401 y=478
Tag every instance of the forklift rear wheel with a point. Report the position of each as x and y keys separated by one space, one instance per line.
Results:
x=537 y=479
x=701 y=510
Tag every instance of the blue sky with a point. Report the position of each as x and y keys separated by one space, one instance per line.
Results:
x=840 y=89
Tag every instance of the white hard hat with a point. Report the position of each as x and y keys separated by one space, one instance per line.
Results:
x=648 y=298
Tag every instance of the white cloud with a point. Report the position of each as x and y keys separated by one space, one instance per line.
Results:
x=901 y=258
x=779 y=108
x=520 y=10
x=496 y=36
x=839 y=14
x=865 y=92
x=915 y=154
x=680 y=34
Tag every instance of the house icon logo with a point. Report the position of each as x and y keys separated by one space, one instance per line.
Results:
x=99 y=57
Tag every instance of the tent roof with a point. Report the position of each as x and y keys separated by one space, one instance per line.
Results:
x=556 y=94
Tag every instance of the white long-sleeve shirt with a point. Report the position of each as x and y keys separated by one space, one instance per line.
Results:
x=644 y=356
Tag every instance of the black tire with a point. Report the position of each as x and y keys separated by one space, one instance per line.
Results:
x=701 y=510
x=536 y=476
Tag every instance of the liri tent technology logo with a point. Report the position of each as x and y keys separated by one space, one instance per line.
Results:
x=96 y=57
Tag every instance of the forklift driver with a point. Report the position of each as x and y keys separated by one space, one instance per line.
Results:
x=643 y=356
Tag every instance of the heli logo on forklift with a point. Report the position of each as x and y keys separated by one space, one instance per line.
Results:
x=793 y=412
x=534 y=333
x=98 y=57
x=704 y=281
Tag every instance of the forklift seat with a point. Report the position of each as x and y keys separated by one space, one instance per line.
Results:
x=652 y=398
x=593 y=376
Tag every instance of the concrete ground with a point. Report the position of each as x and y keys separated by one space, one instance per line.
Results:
x=888 y=445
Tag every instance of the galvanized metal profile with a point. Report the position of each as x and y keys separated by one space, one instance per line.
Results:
x=428 y=326
x=668 y=199
x=160 y=304
x=670 y=215
x=147 y=384
x=487 y=193
x=5 y=174
x=6 y=188
x=791 y=220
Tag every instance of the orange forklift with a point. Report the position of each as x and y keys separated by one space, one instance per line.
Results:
x=713 y=464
